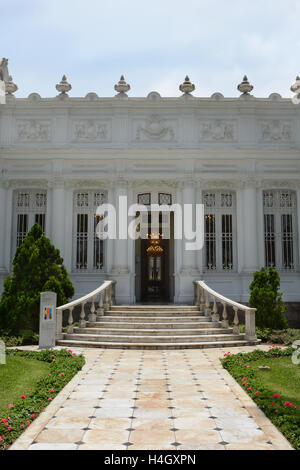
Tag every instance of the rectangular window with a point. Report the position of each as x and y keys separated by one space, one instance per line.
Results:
x=210 y=241
x=41 y=220
x=227 y=258
x=82 y=241
x=220 y=231
x=22 y=227
x=270 y=236
x=279 y=229
x=88 y=249
x=287 y=241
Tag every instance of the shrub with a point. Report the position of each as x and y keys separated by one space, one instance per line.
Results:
x=37 y=267
x=266 y=298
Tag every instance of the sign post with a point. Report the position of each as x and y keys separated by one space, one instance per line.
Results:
x=47 y=320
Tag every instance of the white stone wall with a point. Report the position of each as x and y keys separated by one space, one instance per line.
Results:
x=175 y=145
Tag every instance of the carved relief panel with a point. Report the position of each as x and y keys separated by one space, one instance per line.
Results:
x=217 y=130
x=154 y=129
x=91 y=130
x=33 y=130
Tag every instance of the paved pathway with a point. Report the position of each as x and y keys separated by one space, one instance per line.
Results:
x=125 y=399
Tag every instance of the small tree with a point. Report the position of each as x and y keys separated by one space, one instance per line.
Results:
x=37 y=267
x=266 y=298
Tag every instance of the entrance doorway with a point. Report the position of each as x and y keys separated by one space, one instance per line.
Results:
x=154 y=273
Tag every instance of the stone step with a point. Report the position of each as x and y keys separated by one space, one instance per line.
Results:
x=152 y=339
x=170 y=308
x=154 y=319
x=153 y=313
x=195 y=345
x=152 y=325
x=151 y=331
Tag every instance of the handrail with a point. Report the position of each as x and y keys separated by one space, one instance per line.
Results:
x=85 y=297
x=106 y=294
x=203 y=293
x=222 y=298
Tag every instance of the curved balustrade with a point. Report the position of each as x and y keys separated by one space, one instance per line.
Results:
x=101 y=299
x=204 y=296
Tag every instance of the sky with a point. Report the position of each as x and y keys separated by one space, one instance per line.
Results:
x=154 y=43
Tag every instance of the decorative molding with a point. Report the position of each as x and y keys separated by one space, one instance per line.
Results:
x=90 y=130
x=33 y=130
x=217 y=130
x=155 y=129
x=276 y=131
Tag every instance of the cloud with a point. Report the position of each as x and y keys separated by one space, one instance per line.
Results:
x=155 y=44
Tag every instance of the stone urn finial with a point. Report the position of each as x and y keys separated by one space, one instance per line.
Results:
x=10 y=86
x=295 y=88
x=187 y=87
x=244 y=87
x=122 y=87
x=63 y=86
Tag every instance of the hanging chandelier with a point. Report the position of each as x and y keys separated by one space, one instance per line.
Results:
x=154 y=249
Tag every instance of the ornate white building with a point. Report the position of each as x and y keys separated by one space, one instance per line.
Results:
x=61 y=157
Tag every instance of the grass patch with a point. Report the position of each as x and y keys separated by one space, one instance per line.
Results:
x=30 y=382
x=17 y=376
x=276 y=392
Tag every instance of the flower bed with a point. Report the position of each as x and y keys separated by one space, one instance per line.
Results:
x=20 y=414
x=283 y=411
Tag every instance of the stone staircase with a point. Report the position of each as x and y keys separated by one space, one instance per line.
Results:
x=153 y=327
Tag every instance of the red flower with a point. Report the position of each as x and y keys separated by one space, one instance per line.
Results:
x=22 y=426
x=244 y=383
x=249 y=388
x=52 y=355
x=256 y=393
x=27 y=422
x=276 y=395
x=3 y=420
x=50 y=399
x=33 y=415
x=9 y=428
x=62 y=374
x=51 y=390
x=0 y=438
x=23 y=396
x=6 y=424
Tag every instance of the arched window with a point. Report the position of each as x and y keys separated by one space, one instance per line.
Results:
x=88 y=249
x=220 y=230
x=30 y=206
x=280 y=233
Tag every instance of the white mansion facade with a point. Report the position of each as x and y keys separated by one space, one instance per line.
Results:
x=61 y=157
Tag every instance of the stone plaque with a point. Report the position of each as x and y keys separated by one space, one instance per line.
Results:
x=2 y=352
x=47 y=320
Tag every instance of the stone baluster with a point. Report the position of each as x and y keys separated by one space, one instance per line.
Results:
x=250 y=333
x=106 y=300
x=92 y=315
x=207 y=310
x=215 y=315
x=100 y=309
x=202 y=300
x=225 y=322
x=113 y=293
x=236 y=329
x=59 y=317
x=70 y=328
x=82 y=321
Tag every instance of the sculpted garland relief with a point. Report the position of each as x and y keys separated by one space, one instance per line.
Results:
x=217 y=131
x=275 y=131
x=33 y=130
x=90 y=131
x=155 y=129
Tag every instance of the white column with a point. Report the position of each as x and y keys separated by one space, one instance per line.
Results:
x=58 y=217
x=250 y=228
x=120 y=264
x=189 y=257
x=3 y=227
x=297 y=258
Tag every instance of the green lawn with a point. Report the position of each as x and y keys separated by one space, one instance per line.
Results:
x=283 y=377
x=17 y=376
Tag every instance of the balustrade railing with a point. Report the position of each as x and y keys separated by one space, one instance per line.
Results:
x=206 y=298
x=100 y=300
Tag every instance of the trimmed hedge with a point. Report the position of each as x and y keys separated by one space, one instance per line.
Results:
x=283 y=414
x=64 y=365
